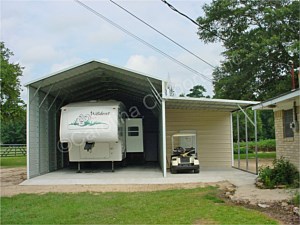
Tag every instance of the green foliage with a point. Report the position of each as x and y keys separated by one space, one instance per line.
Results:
x=259 y=37
x=265 y=125
x=296 y=199
x=197 y=92
x=282 y=173
x=260 y=155
x=13 y=113
x=14 y=131
x=182 y=206
x=262 y=146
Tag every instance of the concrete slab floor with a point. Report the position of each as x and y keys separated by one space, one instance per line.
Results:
x=140 y=175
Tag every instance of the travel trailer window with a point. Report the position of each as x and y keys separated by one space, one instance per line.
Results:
x=133 y=131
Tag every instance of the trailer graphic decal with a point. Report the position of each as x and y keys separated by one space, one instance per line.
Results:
x=87 y=121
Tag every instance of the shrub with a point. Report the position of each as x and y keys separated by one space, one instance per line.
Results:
x=296 y=199
x=265 y=174
x=243 y=150
x=262 y=146
x=282 y=173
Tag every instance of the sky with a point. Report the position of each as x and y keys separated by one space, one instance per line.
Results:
x=49 y=36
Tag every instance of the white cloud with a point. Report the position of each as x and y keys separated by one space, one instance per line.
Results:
x=144 y=64
x=65 y=64
x=42 y=54
x=182 y=80
x=52 y=35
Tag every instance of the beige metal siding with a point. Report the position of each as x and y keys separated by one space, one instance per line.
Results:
x=213 y=134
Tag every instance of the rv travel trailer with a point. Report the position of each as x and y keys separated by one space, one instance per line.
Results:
x=95 y=131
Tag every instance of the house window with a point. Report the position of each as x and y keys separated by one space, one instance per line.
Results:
x=287 y=120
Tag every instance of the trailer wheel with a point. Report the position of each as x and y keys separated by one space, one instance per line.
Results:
x=173 y=170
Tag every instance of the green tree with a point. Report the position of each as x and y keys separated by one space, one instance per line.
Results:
x=197 y=92
x=13 y=113
x=259 y=37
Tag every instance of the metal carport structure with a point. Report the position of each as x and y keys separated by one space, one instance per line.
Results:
x=142 y=94
x=93 y=80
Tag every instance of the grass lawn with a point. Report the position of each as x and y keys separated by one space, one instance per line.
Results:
x=261 y=155
x=185 y=206
x=13 y=161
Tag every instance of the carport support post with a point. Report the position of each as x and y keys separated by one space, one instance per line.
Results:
x=238 y=136
x=246 y=136
x=255 y=133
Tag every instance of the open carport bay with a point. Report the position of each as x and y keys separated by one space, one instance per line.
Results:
x=86 y=82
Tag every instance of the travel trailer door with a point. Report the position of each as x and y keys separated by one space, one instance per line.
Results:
x=134 y=135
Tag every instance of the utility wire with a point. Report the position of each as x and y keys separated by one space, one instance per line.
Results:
x=142 y=41
x=170 y=39
x=193 y=21
x=174 y=9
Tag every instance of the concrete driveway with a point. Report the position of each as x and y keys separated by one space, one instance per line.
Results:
x=141 y=175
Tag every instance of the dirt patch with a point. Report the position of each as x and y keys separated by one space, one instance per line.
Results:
x=12 y=176
x=274 y=203
x=252 y=164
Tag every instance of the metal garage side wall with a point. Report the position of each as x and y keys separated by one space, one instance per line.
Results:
x=213 y=134
x=42 y=133
x=52 y=137
x=33 y=159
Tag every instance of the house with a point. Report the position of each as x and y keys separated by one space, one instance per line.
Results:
x=286 y=108
x=144 y=96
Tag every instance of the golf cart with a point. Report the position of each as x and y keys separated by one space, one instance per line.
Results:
x=184 y=158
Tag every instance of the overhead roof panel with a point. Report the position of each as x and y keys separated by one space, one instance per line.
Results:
x=206 y=104
x=92 y=79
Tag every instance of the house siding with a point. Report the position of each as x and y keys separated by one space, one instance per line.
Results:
x=288 y=148
x=213 y=130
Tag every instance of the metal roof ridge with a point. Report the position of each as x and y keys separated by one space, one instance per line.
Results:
x=87 y=62
x=130 y=70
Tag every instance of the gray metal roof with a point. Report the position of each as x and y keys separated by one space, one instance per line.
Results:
x=224 y=105
x=97 y=80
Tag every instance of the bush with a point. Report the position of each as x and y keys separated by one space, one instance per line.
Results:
x=283 y=173
x=243 y=150
x=262 y=146
x=296 y=199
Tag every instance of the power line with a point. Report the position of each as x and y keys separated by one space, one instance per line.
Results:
x=170 y=39
x=142 y=41
x=174 y=9
x=189 y=18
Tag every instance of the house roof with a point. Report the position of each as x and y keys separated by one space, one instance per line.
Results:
x=224 y=105
x=271 y=103
x=97 y=80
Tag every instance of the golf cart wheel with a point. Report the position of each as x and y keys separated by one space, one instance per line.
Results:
x=196 y=171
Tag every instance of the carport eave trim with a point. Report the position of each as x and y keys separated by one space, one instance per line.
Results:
x=226 y=105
